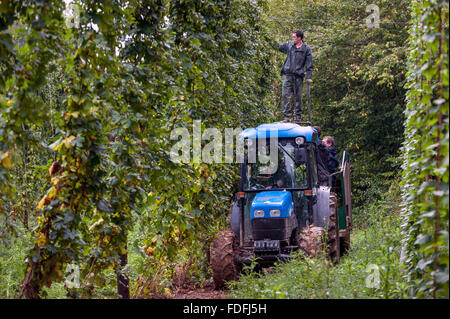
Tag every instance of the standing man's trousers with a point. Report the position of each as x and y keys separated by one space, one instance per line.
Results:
x=292 y=86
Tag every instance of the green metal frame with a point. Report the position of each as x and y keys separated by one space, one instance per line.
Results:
x=346 y=204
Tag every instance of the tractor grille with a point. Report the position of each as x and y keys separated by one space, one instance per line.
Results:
x=270 y=228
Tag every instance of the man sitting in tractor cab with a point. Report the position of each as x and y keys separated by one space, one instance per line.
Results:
x=283 y=177
x=332 y=160
x=278 y=180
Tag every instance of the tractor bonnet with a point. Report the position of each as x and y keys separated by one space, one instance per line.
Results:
x=270 y=201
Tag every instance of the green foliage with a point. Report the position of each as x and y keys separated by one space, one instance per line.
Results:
x=12 y=267
x=30 y=39
x=106 y=94
x=219 y=78
x=425 y=150
x=86 y=114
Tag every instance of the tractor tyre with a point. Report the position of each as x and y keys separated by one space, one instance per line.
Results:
x=223 y=258
x=311 y=241
x=333 y=243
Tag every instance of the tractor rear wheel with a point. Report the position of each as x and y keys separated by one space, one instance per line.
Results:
x=333 y=244
x=311 y=241
x=223 y=258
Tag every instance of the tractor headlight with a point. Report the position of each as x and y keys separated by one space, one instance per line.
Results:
x=258 y=213
x=275 y=213
x=299 y=140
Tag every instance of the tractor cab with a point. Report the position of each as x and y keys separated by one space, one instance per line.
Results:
x=275 y=204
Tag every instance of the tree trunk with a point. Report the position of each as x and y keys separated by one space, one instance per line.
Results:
x=122 y=279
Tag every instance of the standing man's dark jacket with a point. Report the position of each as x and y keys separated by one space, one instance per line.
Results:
x=297 y=60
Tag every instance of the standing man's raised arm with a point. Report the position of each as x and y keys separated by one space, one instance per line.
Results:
x=283 y=47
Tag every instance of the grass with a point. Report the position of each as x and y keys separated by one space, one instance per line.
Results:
x=12 y=266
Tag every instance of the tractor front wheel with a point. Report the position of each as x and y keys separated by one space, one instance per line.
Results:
x=223 y=258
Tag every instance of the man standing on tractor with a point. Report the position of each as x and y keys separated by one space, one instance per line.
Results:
x=298 y=63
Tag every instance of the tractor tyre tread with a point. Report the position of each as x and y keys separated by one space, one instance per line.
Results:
x=310 y=241
x=333 y=244
x=223 y=258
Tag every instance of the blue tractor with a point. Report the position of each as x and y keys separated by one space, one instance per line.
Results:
x=286 y=208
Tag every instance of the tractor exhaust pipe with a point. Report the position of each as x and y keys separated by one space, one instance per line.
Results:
x=308 y=96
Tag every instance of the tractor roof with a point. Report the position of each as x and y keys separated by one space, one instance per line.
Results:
x=281 y=130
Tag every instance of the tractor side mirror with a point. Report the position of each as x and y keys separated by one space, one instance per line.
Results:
x=301 y=156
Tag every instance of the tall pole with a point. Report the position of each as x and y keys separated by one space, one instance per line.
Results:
x=308 y=96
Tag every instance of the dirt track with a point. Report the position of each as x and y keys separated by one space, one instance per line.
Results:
x=195 y=292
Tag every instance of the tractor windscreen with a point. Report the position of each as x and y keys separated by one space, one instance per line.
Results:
x=287 y=174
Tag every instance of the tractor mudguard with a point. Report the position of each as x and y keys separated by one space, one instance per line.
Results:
x=322 y=213
x=234 y=219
